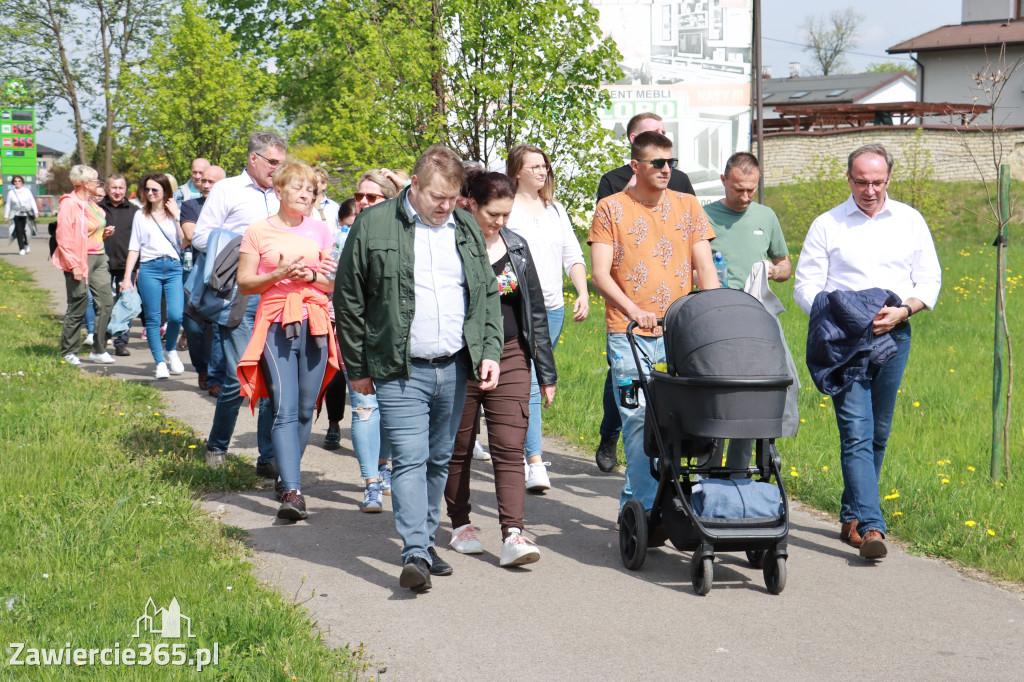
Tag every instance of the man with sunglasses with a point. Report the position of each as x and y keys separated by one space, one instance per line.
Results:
x=233 y=205
x=612 y=182
x=644 y=243
x=868 y=243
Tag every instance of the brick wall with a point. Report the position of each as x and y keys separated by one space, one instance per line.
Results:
x=786 y=154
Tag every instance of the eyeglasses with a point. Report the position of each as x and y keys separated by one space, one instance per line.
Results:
x=152 y=190
x=660 y=163
x=537 y=170
x=368 y=196
x=864 y=184
x=273 y=163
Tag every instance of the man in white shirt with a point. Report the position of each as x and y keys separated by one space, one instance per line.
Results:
x=869 y=241
x=190 y=190
x=233 y=205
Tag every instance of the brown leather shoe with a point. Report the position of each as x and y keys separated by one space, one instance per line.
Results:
x=203 y=386
x=872 y=545
x=214 y=390
x=849 y=534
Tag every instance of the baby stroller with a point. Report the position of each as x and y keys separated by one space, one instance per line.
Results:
x=726 y=378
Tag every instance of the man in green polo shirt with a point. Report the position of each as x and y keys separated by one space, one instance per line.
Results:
x=746 y=232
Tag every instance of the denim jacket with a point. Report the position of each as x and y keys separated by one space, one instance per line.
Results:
x=841 y=345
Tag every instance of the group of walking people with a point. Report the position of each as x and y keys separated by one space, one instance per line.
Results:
x=425 y=314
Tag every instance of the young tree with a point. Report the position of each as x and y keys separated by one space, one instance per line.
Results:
x=193 y=97
x=829 y=39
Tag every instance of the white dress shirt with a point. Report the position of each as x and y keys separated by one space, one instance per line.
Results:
x=553 y=245
x=846 y=249
x=234 y=204
x=440 y=314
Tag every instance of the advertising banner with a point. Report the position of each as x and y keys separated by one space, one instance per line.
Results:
x=689 y=62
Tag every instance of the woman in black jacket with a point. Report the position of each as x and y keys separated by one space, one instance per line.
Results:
x=507 y=406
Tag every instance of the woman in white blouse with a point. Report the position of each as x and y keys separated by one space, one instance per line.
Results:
x=20 y=204
x=156 y=245
x=544 y=224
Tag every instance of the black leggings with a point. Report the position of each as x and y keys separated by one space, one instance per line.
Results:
x=19 y=231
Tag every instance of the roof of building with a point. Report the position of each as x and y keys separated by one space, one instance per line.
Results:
x=839 y=88
x=43 y=150
x=975 y=34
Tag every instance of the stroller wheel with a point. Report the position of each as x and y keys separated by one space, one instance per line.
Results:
x=756 y=558
x=633 y=535
x=775 y=574
x=702 y=573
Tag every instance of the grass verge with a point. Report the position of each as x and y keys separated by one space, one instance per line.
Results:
x=938 y=495
x=98 y=516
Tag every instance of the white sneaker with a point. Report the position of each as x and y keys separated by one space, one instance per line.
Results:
x=21 y=252
x=72 y=359
x=102 y=358
x=517 y=550
x=161 y=371
x=28 y=249
x=88 y=340
x=537 y=480
x=481 y=454
x=465 y=541
x=174 y=362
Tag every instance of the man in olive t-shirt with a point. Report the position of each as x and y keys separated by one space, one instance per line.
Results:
x=746 y=232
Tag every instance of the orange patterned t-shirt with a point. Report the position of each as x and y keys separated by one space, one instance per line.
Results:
x=652 y=246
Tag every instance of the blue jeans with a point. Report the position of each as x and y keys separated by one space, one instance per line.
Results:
x=639 y=484
x=367 y=440
x=208 y=361
x=90 y=316
x=864 y=416
x=233 y=341
x=534 y=444
x=161 y=278
x=294 y=372
x=420 y=417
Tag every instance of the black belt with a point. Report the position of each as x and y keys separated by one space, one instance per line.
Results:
x=440 y=360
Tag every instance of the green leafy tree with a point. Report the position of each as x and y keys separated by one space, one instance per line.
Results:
x=380 y=80
x=890 y=67
x=194 y=97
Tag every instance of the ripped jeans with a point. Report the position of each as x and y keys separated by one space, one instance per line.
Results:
x=366 y=436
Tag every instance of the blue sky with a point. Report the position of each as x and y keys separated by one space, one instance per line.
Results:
x=885 y=24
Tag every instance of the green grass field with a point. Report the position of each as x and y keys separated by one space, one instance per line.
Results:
x=98 y=515
x=939 y=497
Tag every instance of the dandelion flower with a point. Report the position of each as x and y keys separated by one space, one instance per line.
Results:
x=970 y=468
x=191 y=447
x=794 y=474
x=897 y=513
x=892 y=497
x=824 y=468
x=803 y=421
x=991 y=532
x=945 y=480
x=970 y=524
x=917 y=403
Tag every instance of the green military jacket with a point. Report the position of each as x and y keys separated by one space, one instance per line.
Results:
x=375 y=295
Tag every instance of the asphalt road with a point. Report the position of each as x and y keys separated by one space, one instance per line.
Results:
x=578 y=613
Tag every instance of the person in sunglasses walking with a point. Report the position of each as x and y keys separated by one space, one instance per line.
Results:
x=644 y=243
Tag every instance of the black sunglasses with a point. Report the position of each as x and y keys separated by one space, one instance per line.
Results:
x=660 y=163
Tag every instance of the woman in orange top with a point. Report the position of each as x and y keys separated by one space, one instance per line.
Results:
x=292 y=355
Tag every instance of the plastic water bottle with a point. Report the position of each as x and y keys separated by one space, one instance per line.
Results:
x=335 y=254
x=186 y=260
x=624 y=373
x=720 y=268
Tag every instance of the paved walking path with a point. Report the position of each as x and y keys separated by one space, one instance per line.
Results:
x=578 y=614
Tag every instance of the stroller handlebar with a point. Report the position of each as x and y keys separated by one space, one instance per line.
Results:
x=633 y=325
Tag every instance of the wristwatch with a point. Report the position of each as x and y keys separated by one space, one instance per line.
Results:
x=910 y=311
